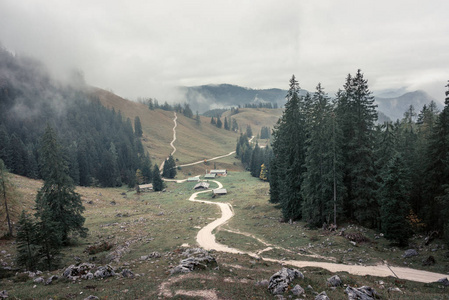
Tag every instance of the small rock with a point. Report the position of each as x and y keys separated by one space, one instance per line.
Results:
x=104 y=272
x=297 y=290
x=262 y=283
x=362 y=293
x=410 y=253
x=3 y=294
x=127 y=273
x=39 y=280
x=280 y=281
x=322 y=296
x=444 y=281
x=51 y=279
x=91 y=297
x=394 y=289
x=334 y=281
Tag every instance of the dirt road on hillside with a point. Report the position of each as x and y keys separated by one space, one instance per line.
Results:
x=206 y=239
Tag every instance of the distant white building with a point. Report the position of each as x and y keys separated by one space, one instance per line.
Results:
x=223 y=172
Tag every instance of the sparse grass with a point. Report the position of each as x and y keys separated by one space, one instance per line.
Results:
x=163 y=221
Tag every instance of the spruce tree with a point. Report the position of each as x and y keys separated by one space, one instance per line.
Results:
x=226 y=125
x=137 y=127
x=26 y=242
x=394 y=202
x=289 y=156
x=5 y=191
x=57 y=203
x=356 y=115
x=158 y=184
x=219 y=123
x=437 y=171
x=322 y=163
x=197 y=119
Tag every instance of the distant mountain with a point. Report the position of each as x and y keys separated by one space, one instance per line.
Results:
x=391 y=103
x=206 y=97
x=395 y=107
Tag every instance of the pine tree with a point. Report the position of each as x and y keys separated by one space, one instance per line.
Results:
x=394 y=203
x=137 y=127
x=226 y=125
x=235 y=125
x=187 y=112
x=356 y=115
x=26 y=243
x=158 y=184
x=57 y=202
x=219 y=123
x=147 y=173
x=289 y=155
x=256 y=161
x=249 y=131
x=322 y=177
x=169 y=169
x=197 y=119
x=5 y=190
x=437 y=171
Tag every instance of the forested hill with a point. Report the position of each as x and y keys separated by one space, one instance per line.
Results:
x=205 y=97
x=395 y=107
x=99 y=144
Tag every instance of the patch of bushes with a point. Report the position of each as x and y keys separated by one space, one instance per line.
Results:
x=97 y=248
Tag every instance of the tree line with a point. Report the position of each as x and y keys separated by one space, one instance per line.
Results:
x=331 y=161
x=330 y=157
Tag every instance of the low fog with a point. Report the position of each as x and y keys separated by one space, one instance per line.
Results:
x=147 y=48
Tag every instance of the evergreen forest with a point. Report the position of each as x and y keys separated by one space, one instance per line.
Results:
x=99 y=145
x=331 y=161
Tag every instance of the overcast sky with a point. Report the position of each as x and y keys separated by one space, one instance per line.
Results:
x=147 y=47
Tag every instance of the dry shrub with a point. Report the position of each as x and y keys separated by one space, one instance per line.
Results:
x=97 y=248
x=357 y=237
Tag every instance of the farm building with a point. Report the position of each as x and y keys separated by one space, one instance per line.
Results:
x=210 y=176
x=202 y=185
x=220 y=192
x=219 y=172
x=145 y=187
x=193 y=179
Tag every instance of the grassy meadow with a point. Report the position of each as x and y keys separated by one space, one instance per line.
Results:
x=166 y=222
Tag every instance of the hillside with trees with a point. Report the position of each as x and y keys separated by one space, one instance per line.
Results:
x=331 y=162
x=99 y=144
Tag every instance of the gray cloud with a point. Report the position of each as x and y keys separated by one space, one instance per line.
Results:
x=145 y=48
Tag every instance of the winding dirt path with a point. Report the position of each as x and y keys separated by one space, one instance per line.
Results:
x=172 y=142
x=206 y=239
x=174 y=134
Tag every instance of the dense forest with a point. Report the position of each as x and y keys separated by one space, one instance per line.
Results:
x=99 y=145
x=331 y=161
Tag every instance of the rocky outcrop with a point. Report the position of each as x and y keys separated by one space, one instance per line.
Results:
x=297 y=290
x=410 y=253
x=104 y=272
x=322 y=296
x=197 y=258
x=51 y=279
x=334 y=281
x=280 y=281
x=362 y=293
x=444 y=281
x=81 y=271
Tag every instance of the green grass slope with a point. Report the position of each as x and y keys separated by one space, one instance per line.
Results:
x=193 y=143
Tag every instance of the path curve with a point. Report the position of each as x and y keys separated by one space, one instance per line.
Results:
x=206 y=239
x=174 y=134
x=171 y=143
